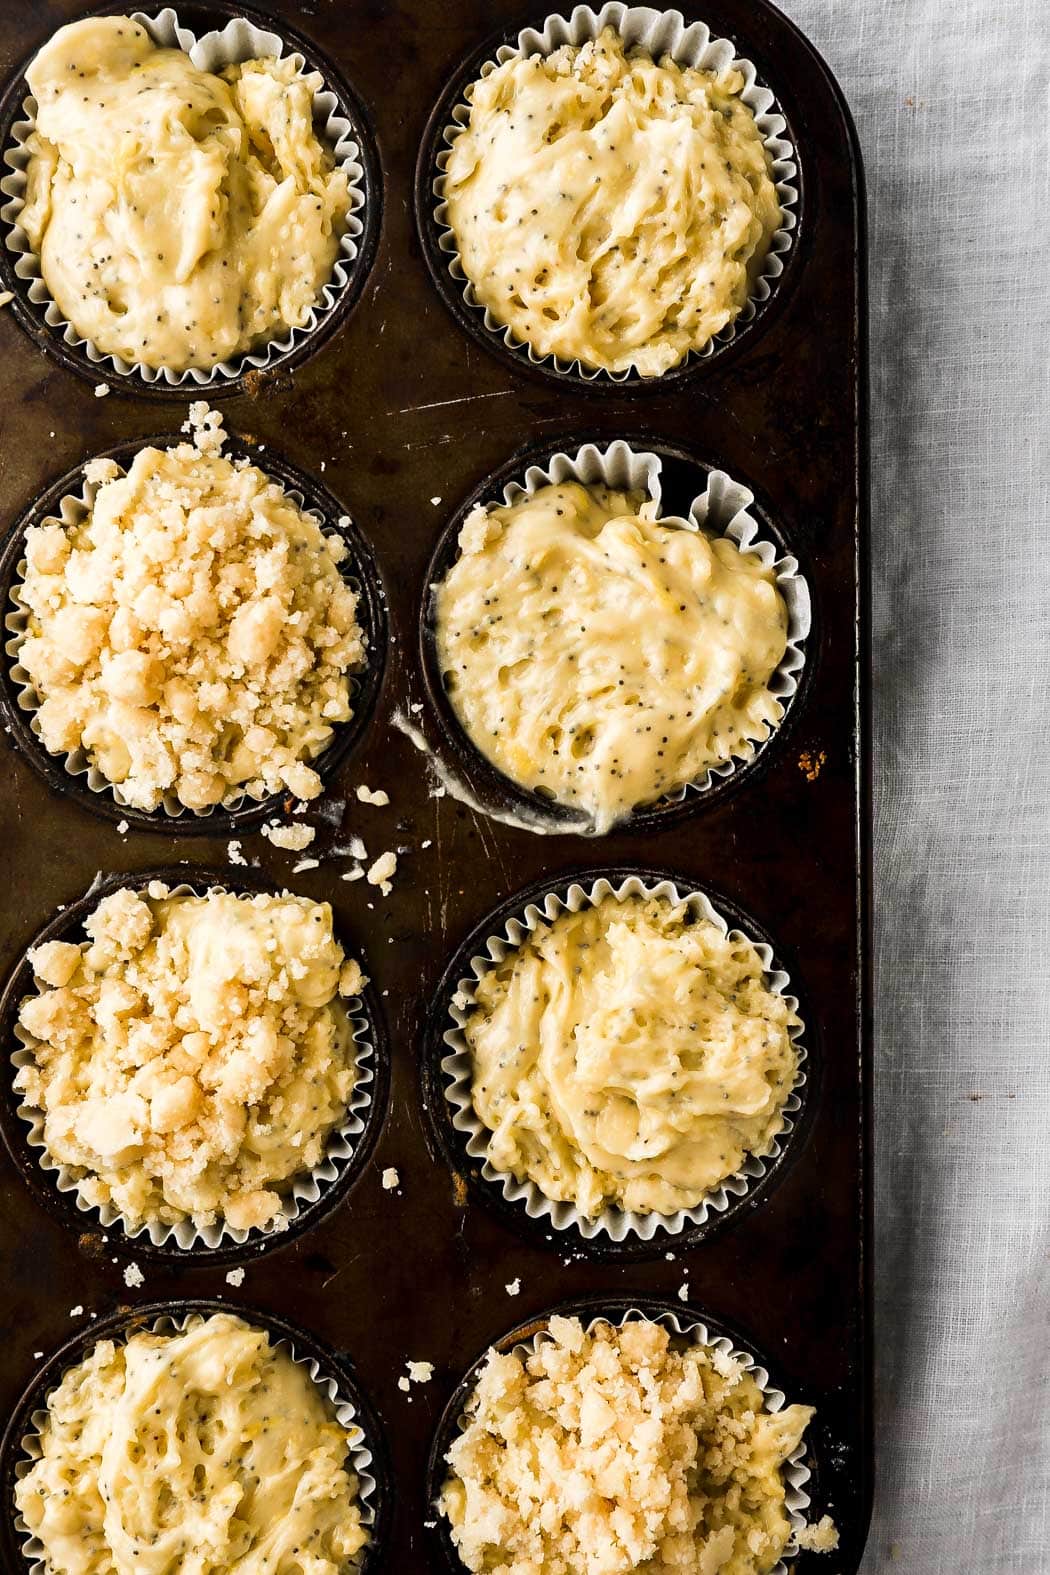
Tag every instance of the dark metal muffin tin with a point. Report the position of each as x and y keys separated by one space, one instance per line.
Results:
x=400 y=407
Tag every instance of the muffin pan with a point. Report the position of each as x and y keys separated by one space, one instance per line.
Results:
x=405 y=417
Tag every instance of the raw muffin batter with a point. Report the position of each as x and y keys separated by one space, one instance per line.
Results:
x=610 y=1451
x=631 y=1055
x=208 y=1453
x=180 y=217
x=192 y=634
x=608 y=208
x=191 y=1059
x=601 y=656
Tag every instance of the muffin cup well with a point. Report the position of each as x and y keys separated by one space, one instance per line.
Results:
x=462 y=1139
x=67 y=502
x=215 y=34
x=310 y=1198
x=659 y=33
x=333 y=1374
x=724 y=507
x=799 y=1471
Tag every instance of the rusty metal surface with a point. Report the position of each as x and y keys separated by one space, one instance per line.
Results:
x=398 y=408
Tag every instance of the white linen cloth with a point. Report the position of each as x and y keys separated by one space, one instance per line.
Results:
x=951 y=101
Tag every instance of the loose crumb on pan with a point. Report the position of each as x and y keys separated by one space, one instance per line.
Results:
x=234 y=854
x=604 y=1451
x=191 y=1058
x=513 y=1288
x=235 y=1278
x=293 y=838
x=133 y=1277
x=382 y=871
x=101 y=390
x=418 y=1373
x=391 y=1179
x=822 y=1537
x=379 y=797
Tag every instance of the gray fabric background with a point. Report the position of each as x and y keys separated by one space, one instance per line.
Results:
x=951 y=101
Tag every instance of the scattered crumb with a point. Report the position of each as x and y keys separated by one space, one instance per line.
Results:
x=420 y=1372
x=5 y=297
x=122 y=827
x=357 y=873
x=391 y=1179
x=367 y=796
x=381 y=872
x=133 y=1277
x=305 y=864
x=820 y=1538
x=683 y=1291
x=234 y=854
x=435 y=501
x=235 y=1277
x=343 y=521
x=38 y=1356
x=101 y=390
x=811 y=763
x=726 y=1366
x=513 y=1288
x=76 y=1312
x=99 y=470
x=294 y=838
x=416 y=707
x=404 y=1384
x=426 y=843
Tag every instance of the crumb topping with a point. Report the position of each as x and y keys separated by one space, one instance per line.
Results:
x=193 y=1055
x=192 y=634
x=609 y=1450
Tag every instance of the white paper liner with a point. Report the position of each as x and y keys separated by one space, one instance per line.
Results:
x=795 y=1472
x=720 y=510
x=616 y=1224
x=71 y=511
x=340 y=1145
x=358 y=1453
x=239 y=40
x=659 y=33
